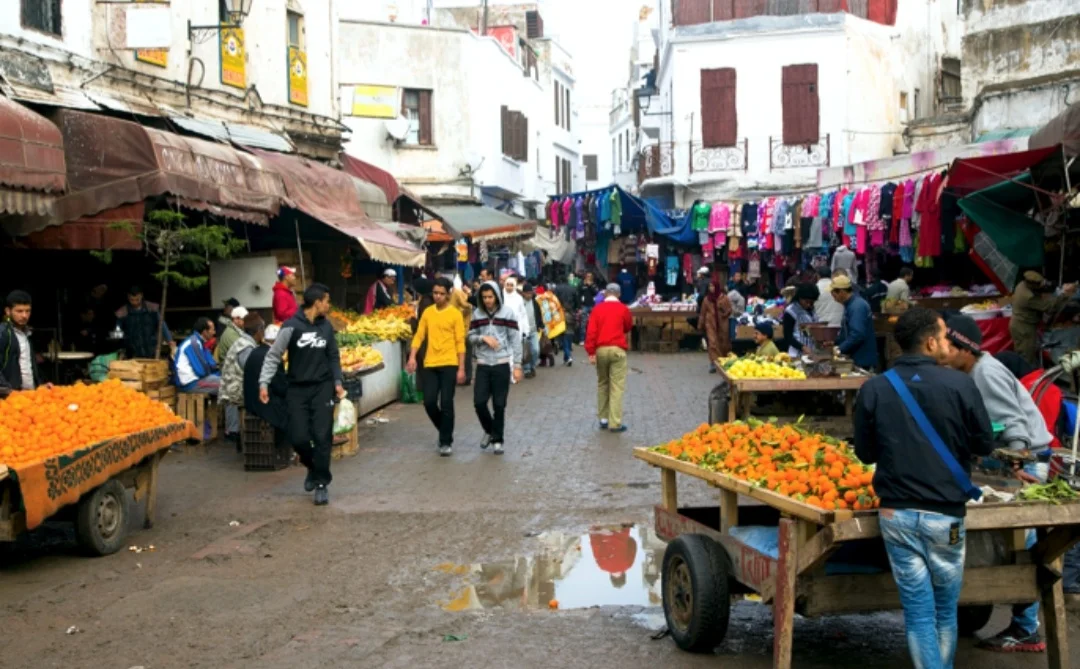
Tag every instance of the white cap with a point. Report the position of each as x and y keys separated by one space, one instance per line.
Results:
x=703 y=270
x=271 y=332
x=239 y=312
x=390 y=272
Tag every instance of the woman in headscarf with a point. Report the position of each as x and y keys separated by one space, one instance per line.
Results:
x=797 y=314
x=715 y=312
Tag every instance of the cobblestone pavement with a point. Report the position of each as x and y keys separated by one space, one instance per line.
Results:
x=365 y=582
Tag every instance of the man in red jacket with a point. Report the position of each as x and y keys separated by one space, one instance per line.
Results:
x=284 y=294
x=606 y=344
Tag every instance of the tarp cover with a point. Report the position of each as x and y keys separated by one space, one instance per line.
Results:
x=478 y=222
x=330 y=196
x=1063 y=129
x=558 y=247
x=112 y=162
x=968 y=175
x=31 y=150
x=998 y=212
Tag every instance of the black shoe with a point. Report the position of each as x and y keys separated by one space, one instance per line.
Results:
x=309 y=481
x=486 y=441
x=322 y=496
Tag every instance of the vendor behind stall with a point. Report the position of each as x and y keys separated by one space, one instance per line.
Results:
x=798 y=314
x=139 y=321
x=18 y=364
x=900 y=288
x=1032 y=300
x=381 y=293
x=763 y=333
x=857 y=338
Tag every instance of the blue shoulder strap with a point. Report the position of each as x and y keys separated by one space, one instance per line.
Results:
x=958 y=473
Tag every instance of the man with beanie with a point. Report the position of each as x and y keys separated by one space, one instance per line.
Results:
x=763 y=333
x=1009 y=404
x=606 y=344
x=496 y=341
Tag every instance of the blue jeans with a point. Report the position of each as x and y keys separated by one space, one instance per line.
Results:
x=1071 y=572
x=532 y=341
x=1026 y=616
x=926 y=551
x=567 y=347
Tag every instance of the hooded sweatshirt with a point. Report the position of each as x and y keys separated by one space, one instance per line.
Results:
x=313 y=352
x=284 y=303
x=1010 y=404
x=516 y=303
x=502 y=324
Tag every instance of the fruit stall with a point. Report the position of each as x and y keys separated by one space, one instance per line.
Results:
x=371 y=350
x=750 y=375
x=797 y=524
x=71 y=453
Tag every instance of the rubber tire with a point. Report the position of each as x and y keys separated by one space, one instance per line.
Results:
x=971 y=619
x=710 y=609
x=87 y=529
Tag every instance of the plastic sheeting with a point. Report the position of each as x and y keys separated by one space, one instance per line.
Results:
x=558 y=249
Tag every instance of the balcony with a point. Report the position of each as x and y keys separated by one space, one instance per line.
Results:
x=791 y=156
x=657 y=160
x=720 y=159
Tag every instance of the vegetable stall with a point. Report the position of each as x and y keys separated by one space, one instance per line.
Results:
x=371 y=350
x=797 y=524
x=750 y=375
x=70 y=453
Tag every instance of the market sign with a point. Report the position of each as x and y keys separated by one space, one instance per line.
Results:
x=158 y=57
x=298 y=73
x=232 y=57
x=375 y=102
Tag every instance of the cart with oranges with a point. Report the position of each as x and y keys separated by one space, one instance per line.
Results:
x=73 y=453
x=802 y=558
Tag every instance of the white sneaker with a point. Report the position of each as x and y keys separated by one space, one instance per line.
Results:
x=497 y=448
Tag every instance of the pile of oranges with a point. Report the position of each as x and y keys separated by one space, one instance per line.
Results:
x=812 y=468
x=43 y=423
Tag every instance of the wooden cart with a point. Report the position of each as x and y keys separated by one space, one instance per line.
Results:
x=89 y=487
x=741 y=391
x=705 y=564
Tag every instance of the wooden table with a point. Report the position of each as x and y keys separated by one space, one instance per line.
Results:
x=644 y=317
x=795 y=579
x=742 y=390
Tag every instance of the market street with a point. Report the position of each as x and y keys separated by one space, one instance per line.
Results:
x=364 y=583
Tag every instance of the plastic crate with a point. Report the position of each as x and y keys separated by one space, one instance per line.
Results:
x=263 y=449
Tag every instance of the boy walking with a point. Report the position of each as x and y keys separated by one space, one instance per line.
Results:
x=443 y=328
x=496 y=340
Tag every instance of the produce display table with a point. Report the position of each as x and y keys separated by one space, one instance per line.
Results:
x=382 y=385
x=666 y=320
x=94 y=479
x=741 y=391
x=811 y=569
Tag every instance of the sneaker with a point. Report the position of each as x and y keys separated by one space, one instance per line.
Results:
x=620 y=429
x=1014 y=640
x=497 y=448
x=570 y=362
x=322 y=496
x=530 y=374
x=446 y=451
x=486 y=441
x=603 y=425
x=309 y=481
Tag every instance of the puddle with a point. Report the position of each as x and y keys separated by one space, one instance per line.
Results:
x=608 y=566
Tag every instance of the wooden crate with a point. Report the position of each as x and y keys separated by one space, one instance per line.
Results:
x=200 y=409
x=143 y=370
x=349 y=448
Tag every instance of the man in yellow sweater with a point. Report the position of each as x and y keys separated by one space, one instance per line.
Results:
x=444 y=363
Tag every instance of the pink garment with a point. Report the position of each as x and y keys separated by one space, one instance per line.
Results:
x=810 y=206
x=688 y=268
x=720 y=240
x=567 y=205
x=873 y=212
x=877 y=238
x=905 y=234
x=707 y=246
x=555 y=211
x=720 y=217
x=860 y=240
x=909 y=199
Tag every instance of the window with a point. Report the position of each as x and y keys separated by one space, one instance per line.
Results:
x=515 y=135
x=558 y=104
x=620 y=163
x=614 y=164
x=568 y=179
x=566 y=112
x=534 y=25
x=416 y=106
x=903 y=100
x=592 y=173
x=564 y=182
x=296 y=29
x=43 y=15
x=801 y=104
x=719 y=120
x=558 y=176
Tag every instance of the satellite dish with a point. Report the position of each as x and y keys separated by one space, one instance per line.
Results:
x=398 y=129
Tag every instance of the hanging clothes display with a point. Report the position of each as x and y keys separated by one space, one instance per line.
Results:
x=699 y=216
x=671 y=272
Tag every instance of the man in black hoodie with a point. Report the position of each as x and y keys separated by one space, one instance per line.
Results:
x=921 y=423
x=314 y=377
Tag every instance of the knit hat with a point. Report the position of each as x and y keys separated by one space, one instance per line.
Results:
x=807 y=291
x=764 y=328
x=613 y=289
x=964 y=332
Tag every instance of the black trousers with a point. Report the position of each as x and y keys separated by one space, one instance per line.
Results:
x=311 y=426
x=438 y=385
x=469 y=362
x=492 y=384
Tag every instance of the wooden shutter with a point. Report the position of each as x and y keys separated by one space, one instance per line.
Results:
x=723 y=10
x=534 y=24
x=504 y=125
x=524 y=139
x=691 y=12
x=566 y=112
x=558 y=104
x=747 y=8
x=425 y=117
x=801 y=104
x=719 y=119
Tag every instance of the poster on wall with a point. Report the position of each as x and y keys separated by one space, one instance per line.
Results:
x=158 y=57
x=298 y=91
x=376 y=102
x=232 y=57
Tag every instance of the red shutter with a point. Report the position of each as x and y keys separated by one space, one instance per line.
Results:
x=425 y=118
x=801 y=104
x=719 y=119
x=723 y=10
x=747 y=8
x=691 y=12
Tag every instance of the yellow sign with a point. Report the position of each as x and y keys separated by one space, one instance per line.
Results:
x=233 y=63
x=297 y=76
x=159 y=57
x=376 y=102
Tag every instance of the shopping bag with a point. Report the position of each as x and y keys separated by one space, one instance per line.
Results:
x=344 y=416
x=409 y=392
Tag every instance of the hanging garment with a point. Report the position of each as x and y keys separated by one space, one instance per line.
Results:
x=719 y=218
x=547 y=215
x=699 y=217
x=614 y=253
x=814 y=240
x=566 y=206
x=909 y=199
x=616 y=211
x=707 y=246
x=579 y=231
x=671 y=273
x=897 y=214
x=930 y=221
x=753 y=268
x=688 y=268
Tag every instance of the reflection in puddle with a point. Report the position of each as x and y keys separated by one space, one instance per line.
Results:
x=610 y=566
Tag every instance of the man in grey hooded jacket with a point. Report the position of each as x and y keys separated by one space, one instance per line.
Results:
x=496 y=339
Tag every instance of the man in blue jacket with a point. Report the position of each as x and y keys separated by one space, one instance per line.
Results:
x=196 y=371
x=857 y=338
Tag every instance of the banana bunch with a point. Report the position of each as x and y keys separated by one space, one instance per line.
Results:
x=359 y=357
x=383 y=329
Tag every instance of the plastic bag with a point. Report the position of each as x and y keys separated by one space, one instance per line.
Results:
x=344 y=416
x=409 y=392
x=99 y=367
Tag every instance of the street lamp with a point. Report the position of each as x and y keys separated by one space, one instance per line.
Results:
x=232 y=14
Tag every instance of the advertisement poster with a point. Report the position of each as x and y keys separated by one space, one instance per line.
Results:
x=232 y=58
x=376 y=102
x=159 y=57
x=298 y=92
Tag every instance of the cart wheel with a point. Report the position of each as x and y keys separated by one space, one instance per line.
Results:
x=971 y=619
x=101 y=520
x=697 y=603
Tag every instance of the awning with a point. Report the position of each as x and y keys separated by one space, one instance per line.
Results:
x=31 y=151
x=437 y=232
x=385 y=181
x=373 y=200
x=1063 y=129
x=112 y=162
x=330 y=196
x=1000 y=213
x=968 y=175
x=92 y=233
x=478 y=222
x=410 y=233
x=236 y=133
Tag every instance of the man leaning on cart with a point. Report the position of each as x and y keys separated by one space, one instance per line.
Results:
x=921 y=423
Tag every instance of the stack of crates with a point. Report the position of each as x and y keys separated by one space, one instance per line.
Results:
x=263 y=450
x=149 y=377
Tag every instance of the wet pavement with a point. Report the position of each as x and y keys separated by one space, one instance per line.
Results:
x=542 y=557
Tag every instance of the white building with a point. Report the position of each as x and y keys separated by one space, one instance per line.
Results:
x=459 y=116
x=757 y=104
x=273 y=75
x=628 y=129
